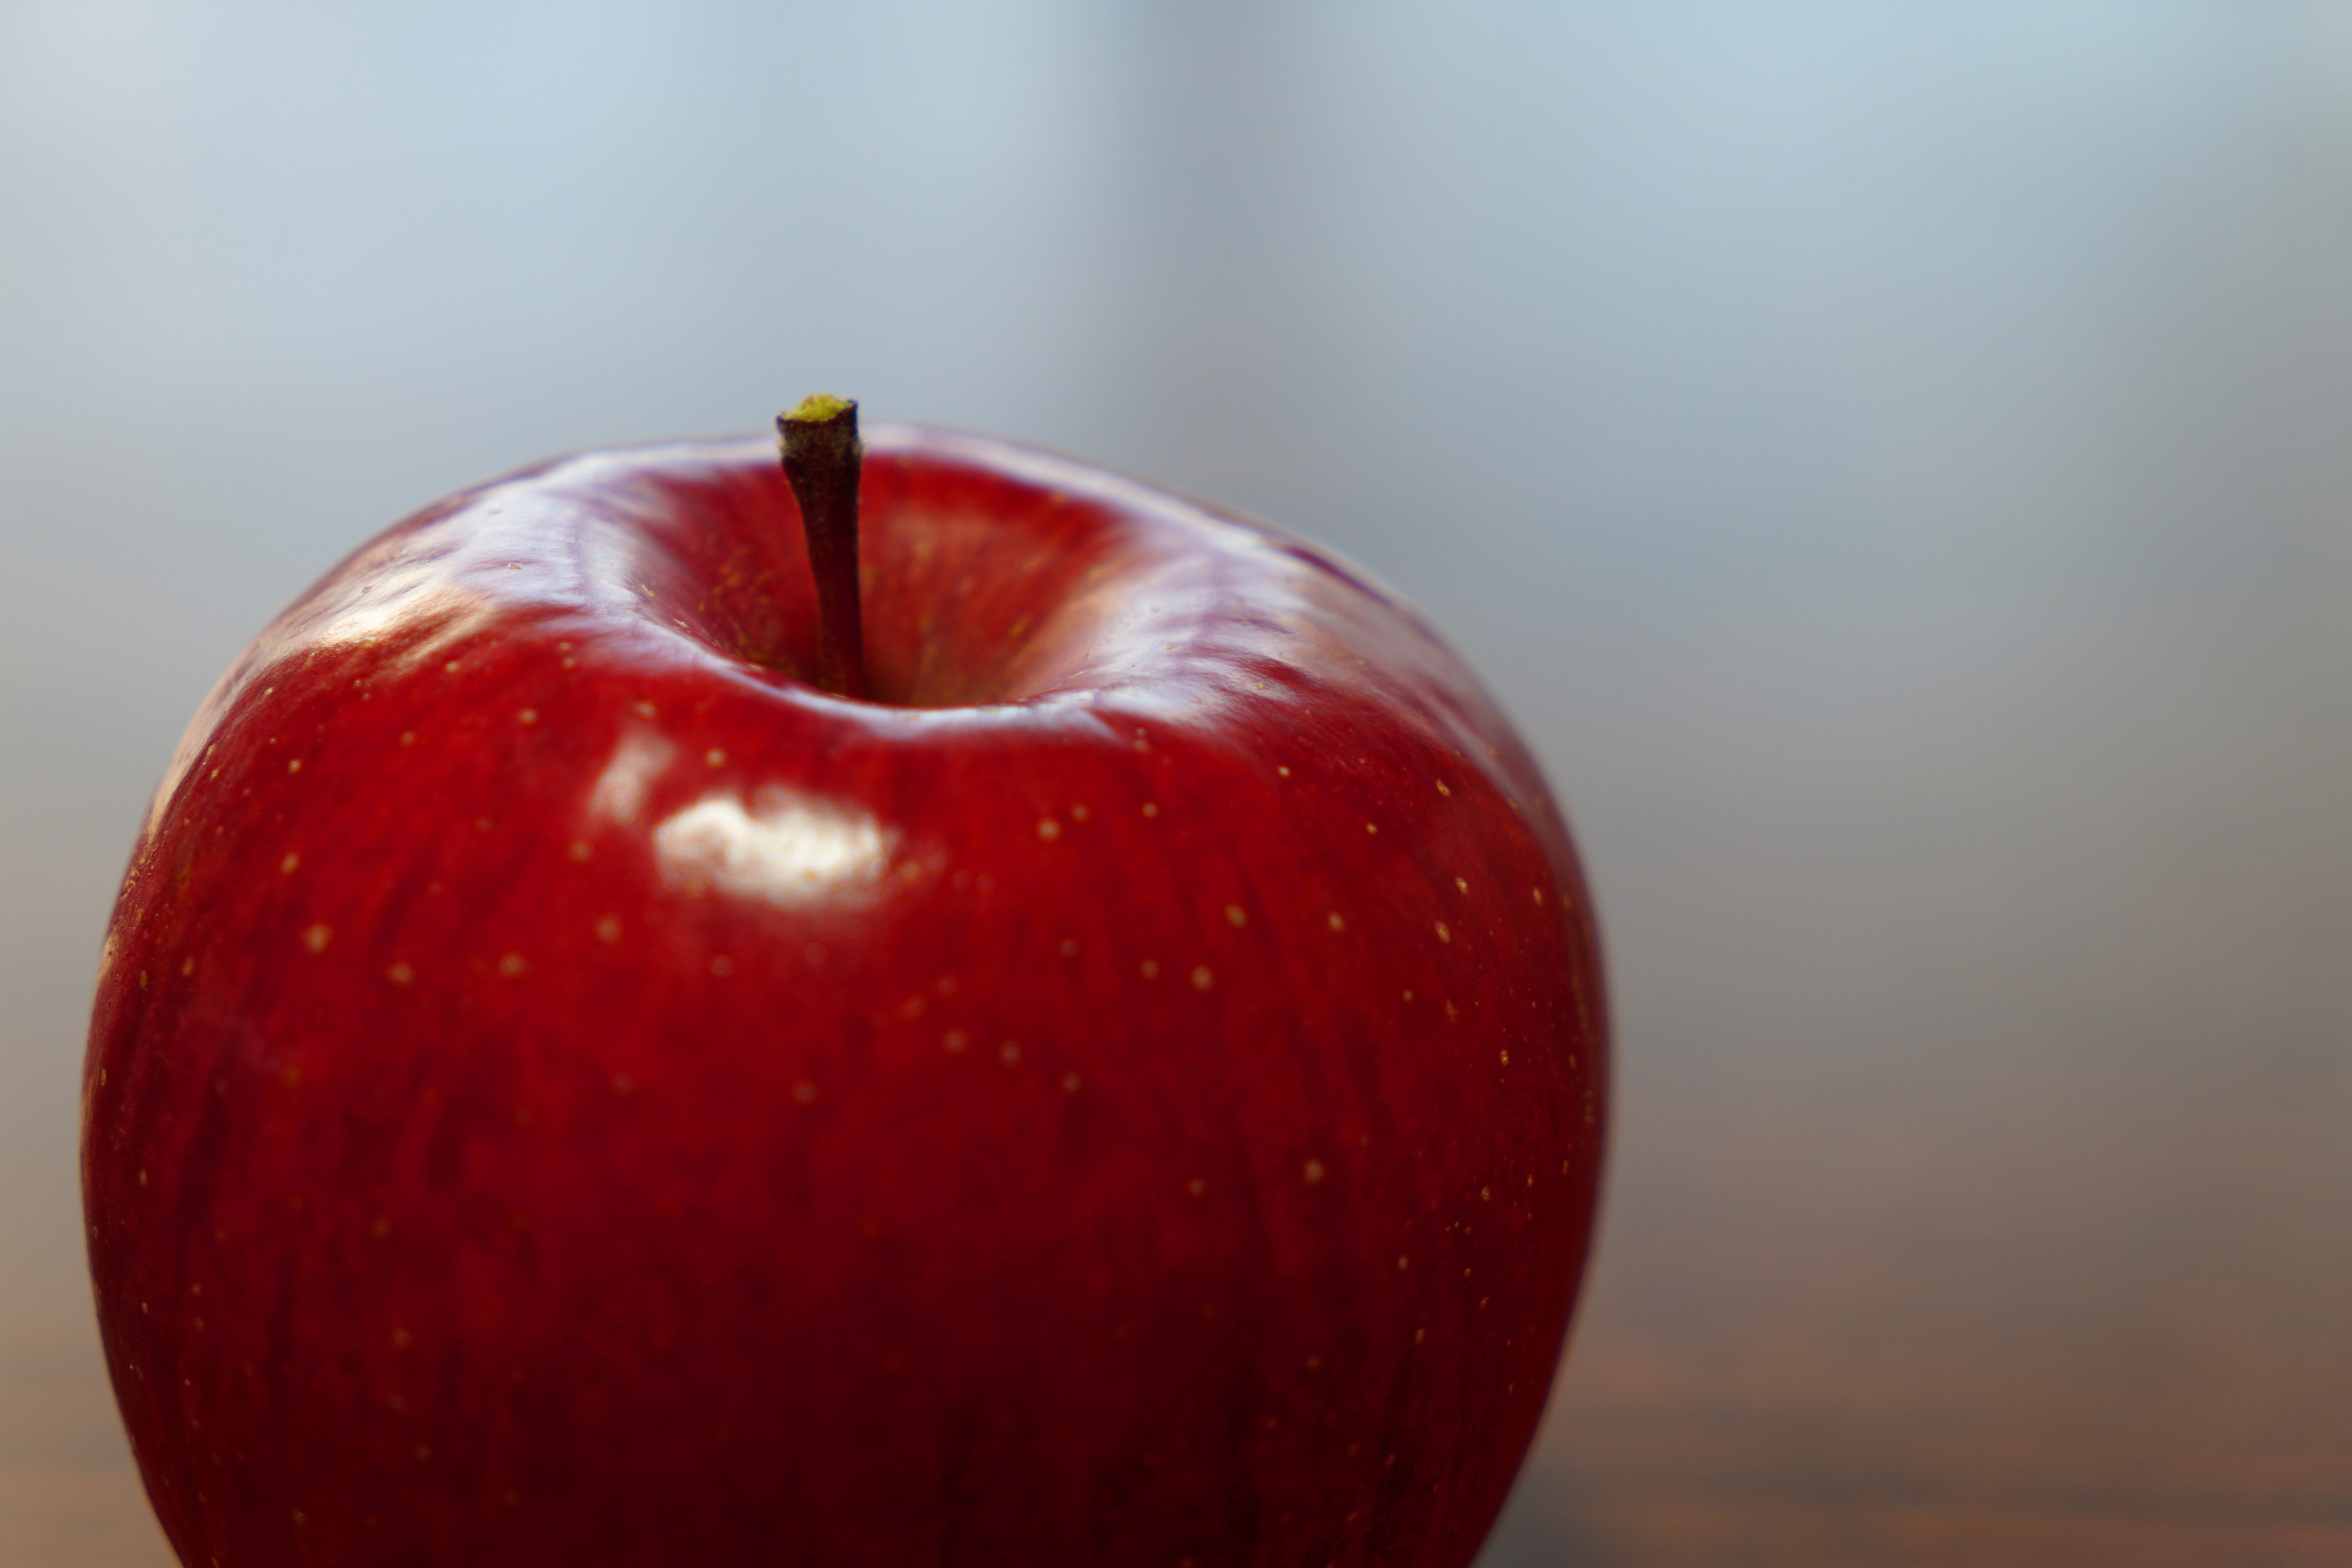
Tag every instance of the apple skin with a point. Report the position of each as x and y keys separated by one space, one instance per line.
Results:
x=564 y=1090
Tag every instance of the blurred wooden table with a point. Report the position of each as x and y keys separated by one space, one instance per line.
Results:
x=2096 y=1315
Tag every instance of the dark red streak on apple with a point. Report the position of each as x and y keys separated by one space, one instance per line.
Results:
x=565 y=1089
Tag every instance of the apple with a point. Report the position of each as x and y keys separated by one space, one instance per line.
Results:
x=567 y=1089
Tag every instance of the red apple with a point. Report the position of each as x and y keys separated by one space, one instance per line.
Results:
x=566 y=1091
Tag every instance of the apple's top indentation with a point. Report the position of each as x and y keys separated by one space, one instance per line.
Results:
x=999 y=584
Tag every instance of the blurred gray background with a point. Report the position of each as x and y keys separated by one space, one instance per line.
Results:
x=1891 y=459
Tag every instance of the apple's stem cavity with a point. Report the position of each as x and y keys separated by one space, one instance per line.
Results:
x=822 y=456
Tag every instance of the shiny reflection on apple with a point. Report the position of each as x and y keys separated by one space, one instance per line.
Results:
x=618 y=795
x=788 y=849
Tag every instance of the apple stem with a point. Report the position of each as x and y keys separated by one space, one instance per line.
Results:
x=822 y=457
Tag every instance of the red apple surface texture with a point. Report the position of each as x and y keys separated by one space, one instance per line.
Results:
x=565 y=1090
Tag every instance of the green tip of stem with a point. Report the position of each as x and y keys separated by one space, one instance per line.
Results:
x=819 y=406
